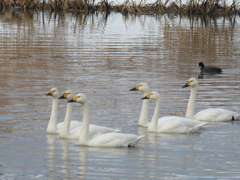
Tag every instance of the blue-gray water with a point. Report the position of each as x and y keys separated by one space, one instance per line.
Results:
x=103 y=57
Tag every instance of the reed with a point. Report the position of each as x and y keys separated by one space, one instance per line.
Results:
x=192 y=7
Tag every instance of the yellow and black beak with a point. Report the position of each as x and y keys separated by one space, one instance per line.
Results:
x=135 y=88
x=64 y=96
x=50 y=93
x=73 y=100
x=187 y=84
x=147 y=96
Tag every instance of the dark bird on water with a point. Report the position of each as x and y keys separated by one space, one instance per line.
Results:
x=209 y=69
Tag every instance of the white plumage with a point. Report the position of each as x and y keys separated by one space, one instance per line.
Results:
x=101 y=140
x=143 y=118
x=171 y=124
x=211 y=114
x=53 y=127
x=74 y=133
x=217 y=114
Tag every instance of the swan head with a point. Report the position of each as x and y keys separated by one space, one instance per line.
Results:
x=191 y=82
x=153 y=95
x=143 y=87
x=80 y=98
x=53 y=92
x=67 y=95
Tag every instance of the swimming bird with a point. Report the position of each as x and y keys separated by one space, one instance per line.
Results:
x=209 y=69
x=65 y=133
x=170 y=124
x=101 y=140
x=210 y=114
x=53 y=127
x=143 y=118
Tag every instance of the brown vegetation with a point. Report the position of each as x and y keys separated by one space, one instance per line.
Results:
x=192 y=7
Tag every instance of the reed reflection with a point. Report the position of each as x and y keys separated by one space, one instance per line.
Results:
x=85 y=54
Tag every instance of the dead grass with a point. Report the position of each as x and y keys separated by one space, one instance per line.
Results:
x=192 y=7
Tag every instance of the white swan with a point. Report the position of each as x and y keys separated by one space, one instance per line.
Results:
x=210 y=114
x=101 y=140
x=75 y=133
x=64 y=131
x=53 y=127
x=143 y=118
x=171 y=124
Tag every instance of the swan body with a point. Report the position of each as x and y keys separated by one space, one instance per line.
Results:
x=143 y=118
x=175 y=124
x=101 y=140
x=217 y=114
x=113 y=140
x=211 y=114
x=209 y=69
x=171 y=124
x=53 y=127
x=64 y=133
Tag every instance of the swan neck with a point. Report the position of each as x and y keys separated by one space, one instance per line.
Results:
x=66 y=124
x=143 y=119
x=191 y=103
x=83 y=139
x=153 y=124
x=52 y=125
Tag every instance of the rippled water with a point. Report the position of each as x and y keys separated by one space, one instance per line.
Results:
x=103 y=57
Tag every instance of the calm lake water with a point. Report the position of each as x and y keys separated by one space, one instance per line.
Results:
x=104 y=57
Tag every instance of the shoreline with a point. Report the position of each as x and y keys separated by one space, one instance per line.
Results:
x=192 y=7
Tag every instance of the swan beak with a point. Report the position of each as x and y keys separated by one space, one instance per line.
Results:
x=186 y=85
x=135 y=88
x=64 y=96
x=147 y=96
x=50 y=93
x=73 y=100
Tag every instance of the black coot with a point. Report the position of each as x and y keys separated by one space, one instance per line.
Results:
x=209 y=69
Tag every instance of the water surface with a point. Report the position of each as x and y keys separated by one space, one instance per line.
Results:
x=103 y=57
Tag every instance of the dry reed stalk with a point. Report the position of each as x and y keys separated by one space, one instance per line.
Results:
x=231 y=9
x=192 y=7
x=3 y=4
x=63 y=5
x=104 y=5
x=127 y=7
x=157 y=7
x=52 y=4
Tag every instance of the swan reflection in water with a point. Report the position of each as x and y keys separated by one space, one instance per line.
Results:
x=63 y=157
x=77 y=161
x=73 y=161
x=52 y=146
